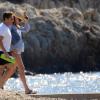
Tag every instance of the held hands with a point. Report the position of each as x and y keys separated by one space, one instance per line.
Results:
x=13 y=51
x=7 y=55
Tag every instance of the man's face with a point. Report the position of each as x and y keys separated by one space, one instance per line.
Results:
x=10 y=20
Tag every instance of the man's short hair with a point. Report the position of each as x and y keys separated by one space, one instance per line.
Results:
x=7 y=15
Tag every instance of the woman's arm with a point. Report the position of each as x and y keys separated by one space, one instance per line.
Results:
x=25 y=28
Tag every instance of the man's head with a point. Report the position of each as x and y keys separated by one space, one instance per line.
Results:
x=8 y=18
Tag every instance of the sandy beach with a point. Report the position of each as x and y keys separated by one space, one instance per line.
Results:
x=12 y=95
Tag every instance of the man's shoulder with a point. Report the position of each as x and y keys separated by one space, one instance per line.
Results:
x=3 y=27
x=1 y=24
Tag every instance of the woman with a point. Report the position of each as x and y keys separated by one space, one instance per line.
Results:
x=19 y=46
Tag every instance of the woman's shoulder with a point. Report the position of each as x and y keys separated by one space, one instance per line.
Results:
x=13 y=27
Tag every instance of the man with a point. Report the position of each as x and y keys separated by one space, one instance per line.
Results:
x=5 y=42
x=5 y=45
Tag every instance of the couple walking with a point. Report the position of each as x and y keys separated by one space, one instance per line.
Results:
x=11 y=44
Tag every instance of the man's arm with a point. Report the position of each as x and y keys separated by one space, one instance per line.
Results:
x=2 y=46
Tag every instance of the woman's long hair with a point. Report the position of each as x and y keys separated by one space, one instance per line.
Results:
x=14 y=23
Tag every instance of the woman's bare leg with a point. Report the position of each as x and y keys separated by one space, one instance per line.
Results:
x=21 y=69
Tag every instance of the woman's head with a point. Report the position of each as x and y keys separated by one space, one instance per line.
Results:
x=20 y=16
x=17 y=20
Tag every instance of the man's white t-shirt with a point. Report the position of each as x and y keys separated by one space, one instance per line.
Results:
x=5 y=32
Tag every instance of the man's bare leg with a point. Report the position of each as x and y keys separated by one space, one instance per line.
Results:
x=11 y=68
x=1 y=71
x=2 y=67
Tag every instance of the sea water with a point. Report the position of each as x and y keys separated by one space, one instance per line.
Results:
x=58 y=83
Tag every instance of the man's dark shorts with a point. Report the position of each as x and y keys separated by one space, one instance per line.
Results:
x=2 y=61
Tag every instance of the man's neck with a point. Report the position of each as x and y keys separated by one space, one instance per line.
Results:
x=6 y=23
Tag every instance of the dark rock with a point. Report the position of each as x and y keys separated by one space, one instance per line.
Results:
x=61 y=39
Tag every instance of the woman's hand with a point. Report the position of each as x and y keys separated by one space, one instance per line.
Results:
x=26 y=17
x=13 y=51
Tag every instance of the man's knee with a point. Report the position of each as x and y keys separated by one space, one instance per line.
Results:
x=11 y=66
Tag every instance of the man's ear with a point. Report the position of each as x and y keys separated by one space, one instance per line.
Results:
x=6 y=19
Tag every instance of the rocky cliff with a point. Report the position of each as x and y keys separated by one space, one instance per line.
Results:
x=63 y=38
x=45 y=4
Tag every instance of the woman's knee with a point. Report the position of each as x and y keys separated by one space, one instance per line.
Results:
x=21 y=67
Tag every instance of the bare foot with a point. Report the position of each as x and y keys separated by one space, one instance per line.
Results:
x=30 y=92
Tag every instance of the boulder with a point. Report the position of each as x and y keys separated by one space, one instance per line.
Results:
x=60 y=37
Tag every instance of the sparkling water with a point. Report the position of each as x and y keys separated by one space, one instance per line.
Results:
x=59 y=83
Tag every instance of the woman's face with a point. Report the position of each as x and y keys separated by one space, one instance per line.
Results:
x=17 y=20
